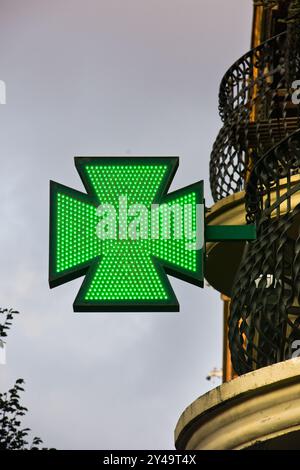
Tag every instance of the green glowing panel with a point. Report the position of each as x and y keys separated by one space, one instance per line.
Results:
x=126 y=234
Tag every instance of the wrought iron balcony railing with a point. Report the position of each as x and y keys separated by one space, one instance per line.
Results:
x=255 y=104
x=265 y=309
x=258 y=150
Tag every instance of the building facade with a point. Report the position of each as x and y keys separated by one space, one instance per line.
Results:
x=255 y=178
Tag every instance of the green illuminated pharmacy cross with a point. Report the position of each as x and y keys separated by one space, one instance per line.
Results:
x=125 y=272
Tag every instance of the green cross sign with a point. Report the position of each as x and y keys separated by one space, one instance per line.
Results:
x=126 y=233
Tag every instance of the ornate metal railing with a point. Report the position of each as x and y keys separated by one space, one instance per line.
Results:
x=255 y=68
x=265 y=309
x=258 y=150
x=256 y=107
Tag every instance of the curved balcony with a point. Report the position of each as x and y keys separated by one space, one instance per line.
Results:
x=259 y=64
x=256 y=156
x=265 y=311
x=255 y=104
x=259 y=411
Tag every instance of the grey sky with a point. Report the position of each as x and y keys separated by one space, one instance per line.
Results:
x=106 y=77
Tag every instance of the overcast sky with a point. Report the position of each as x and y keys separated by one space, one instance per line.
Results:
x=106 y=77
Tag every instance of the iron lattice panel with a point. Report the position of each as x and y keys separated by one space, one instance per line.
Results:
x=265 y=312
x=255 y=104
x=258 y=150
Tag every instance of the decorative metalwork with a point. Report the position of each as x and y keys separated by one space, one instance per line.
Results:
x=265 y=312
x=256 y=107
x=258 y=150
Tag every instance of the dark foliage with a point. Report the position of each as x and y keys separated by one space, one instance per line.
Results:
x=12 y=435
x=5 y=324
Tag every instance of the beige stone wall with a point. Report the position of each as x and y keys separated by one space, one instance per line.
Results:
x=255 y=409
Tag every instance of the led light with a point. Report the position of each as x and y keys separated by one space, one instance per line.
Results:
x=125 y=272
